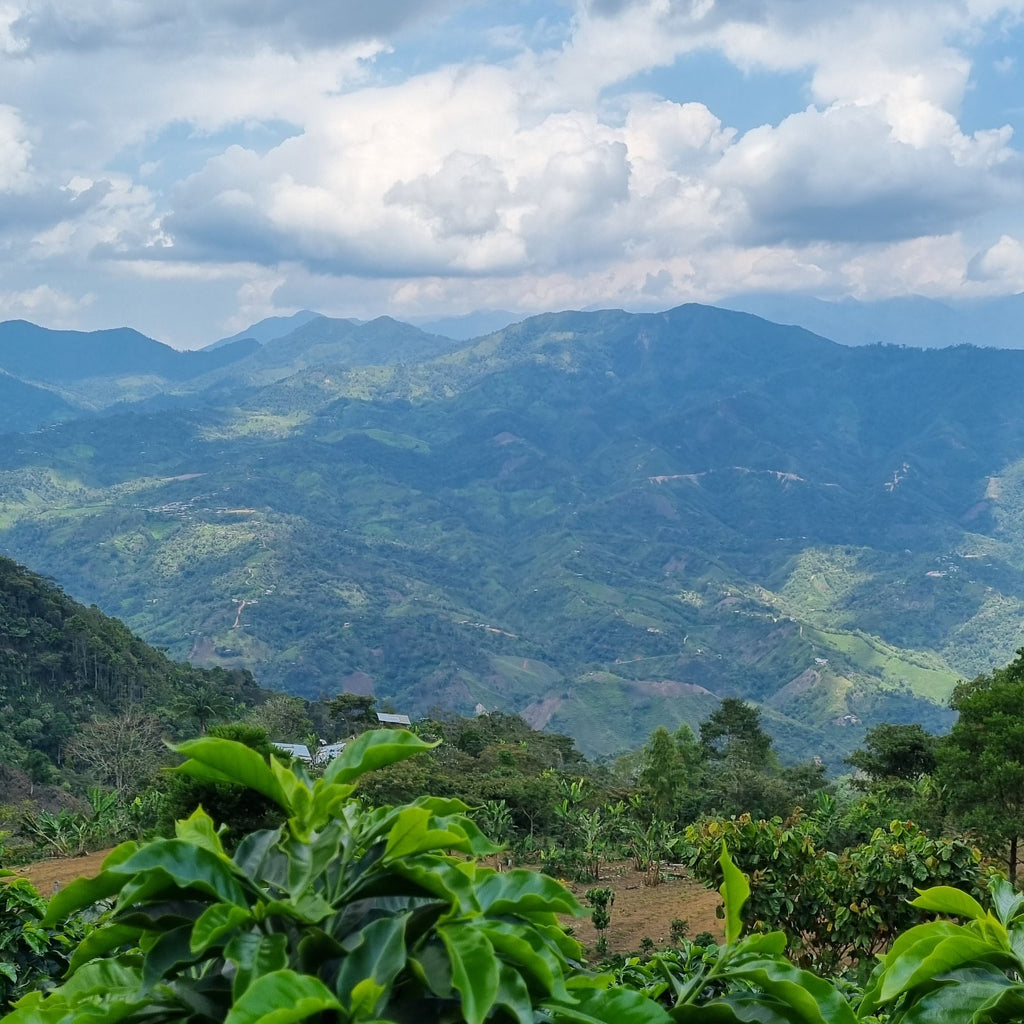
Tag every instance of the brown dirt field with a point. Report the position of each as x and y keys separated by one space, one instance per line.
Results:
x=648 y=911
x=638 y=911
x=47 y=875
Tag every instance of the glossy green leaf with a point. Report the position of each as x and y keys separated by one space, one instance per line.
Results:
x=773 y=943
x=966 y=996
x=328 y=800
x=735 y=891
x=255 y=955
x=1007 y=902
x=282 y=997
x=737 y=1009
x=102 y=941
x=524 y=892
x=944 y=899
x=365 y=997
x=376 y=953
x=216 y=923
x=373 y=750
x=220 y=760
x=310 y=908
x=815 y=1000
x=170 y=950
x=931 y=934
x=514 y=996
x=426 y=875
x=474 y=969
x=82 y=893
x=607 y=1006
x=102 y=977
x=530 y=952
x=920 y=965
x=189 y=866
x=412 y=834
x=199 y=828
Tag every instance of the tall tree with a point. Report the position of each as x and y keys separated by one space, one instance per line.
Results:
x=981 y=762
x=123 y=751
x=671 y=776
x=733 y=733
x=895 y=753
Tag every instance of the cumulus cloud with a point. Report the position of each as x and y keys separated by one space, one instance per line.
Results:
x=841 y=174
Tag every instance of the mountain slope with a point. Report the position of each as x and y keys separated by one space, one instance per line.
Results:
x=61 y=663
x=26 y=407
x=61 y=357
x=605 y=521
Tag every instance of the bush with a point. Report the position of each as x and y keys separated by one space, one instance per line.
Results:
x=343 y=913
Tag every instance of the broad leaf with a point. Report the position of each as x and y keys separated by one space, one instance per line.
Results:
x=281 y=998
x=82 y=893
x=412 y=834
x=607 y=1006
x=735 y=891
x=377 y=953
x=969 y=995
x=737 y=1009
x=255 y=955
x=474 y=969
x=514 y=995
x=216 y=923
x=944 y=899
x=373 y=750
x=1006 y=900
x=169 y=951
x=524 y=892
x=920 y=965
x=220 y=760
x=814 y=999
x=189 y=866
x=199 y=828
x=101 y=941
x=530 y=952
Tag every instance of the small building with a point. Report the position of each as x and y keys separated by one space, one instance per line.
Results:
x=322 y=755
x=388 y=719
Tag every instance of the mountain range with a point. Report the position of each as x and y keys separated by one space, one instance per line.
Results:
x=604 y=521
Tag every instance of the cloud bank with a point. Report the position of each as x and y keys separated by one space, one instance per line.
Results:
x=192 y=166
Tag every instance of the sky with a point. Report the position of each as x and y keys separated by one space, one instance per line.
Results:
x=188 y=167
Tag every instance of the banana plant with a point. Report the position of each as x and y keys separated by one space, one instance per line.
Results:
x=345 y=913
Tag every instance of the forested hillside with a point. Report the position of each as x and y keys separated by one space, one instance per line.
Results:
x=62 y=664
x=602 y=521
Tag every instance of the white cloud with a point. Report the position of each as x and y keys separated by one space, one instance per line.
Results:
x=532 y=179
x=52 y=305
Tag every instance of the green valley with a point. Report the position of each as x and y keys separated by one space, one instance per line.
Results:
x=602 y=521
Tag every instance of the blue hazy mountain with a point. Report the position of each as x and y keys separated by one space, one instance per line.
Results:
x=59 y=357
x=913 y=320
x=268 y=329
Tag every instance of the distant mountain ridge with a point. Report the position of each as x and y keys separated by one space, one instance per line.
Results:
x=605 y=521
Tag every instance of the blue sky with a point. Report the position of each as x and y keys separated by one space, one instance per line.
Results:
x=190 y=166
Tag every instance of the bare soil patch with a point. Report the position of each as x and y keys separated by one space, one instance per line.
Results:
x=647 y=911
x=639 y=910
x=49 y=875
